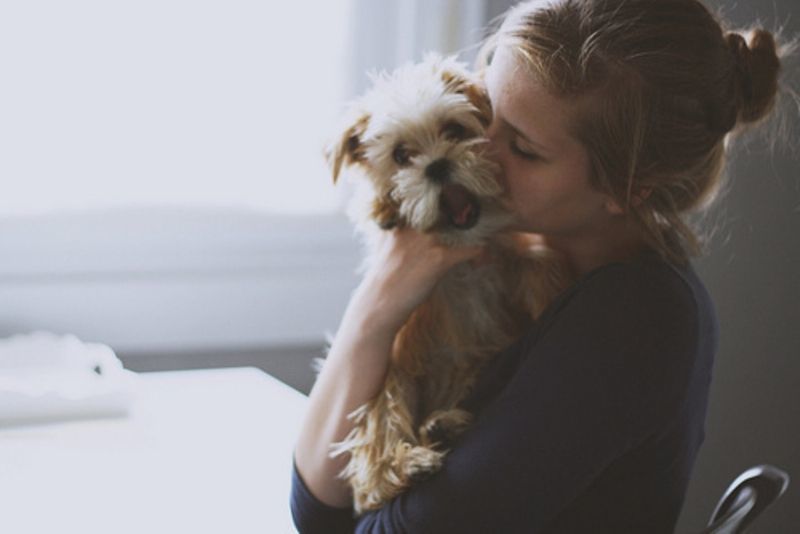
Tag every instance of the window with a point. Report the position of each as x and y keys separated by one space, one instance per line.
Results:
x=164 y=185
x=169 y=102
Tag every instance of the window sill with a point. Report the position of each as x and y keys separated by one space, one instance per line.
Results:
x=177 y=279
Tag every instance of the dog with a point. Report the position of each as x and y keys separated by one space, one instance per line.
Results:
x=415 y=142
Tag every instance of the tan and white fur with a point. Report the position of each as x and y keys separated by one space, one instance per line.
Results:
x=416 y=144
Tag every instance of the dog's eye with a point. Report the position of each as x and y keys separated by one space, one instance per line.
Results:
x=401 y=155
x=455 y=131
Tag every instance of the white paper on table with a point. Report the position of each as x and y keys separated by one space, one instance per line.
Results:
x=44 y=376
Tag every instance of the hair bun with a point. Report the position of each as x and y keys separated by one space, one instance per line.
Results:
x=756 y=80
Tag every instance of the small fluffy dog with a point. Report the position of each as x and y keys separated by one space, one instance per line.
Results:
x=417 y=140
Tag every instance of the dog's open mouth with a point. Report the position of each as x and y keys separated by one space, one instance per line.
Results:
x=460 y=206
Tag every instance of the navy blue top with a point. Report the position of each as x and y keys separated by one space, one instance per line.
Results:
x=590 y=422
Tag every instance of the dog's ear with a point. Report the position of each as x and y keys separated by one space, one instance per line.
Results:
x=461 y=83
x=386 y=212
x=348 y=148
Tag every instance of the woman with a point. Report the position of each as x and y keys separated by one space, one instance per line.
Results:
x=610 y=122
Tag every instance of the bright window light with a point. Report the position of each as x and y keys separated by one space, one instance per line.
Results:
x=214 y=103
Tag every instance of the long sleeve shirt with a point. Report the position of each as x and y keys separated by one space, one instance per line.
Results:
x=589 y=423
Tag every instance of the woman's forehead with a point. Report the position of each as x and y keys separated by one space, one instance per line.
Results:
x=519 y=98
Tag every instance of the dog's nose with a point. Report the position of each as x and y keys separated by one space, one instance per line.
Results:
x=438 y=171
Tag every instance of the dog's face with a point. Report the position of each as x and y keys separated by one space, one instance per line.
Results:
x=418 y=137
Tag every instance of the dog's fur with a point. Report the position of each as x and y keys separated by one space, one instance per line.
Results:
x=417 y=139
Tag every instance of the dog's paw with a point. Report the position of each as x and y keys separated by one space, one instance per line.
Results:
x=414 y=463
x=410 y=464
x=442 y=427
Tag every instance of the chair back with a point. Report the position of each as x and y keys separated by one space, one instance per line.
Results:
x=746 y=498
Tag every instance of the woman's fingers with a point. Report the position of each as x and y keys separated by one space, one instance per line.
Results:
x=421 y=255
x=407 y=269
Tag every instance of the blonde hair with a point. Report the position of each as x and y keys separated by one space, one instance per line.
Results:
x=657 y=87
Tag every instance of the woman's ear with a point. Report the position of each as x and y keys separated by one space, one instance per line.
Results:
x=615 y=208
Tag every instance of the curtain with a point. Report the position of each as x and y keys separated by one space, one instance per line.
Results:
x=386 y=34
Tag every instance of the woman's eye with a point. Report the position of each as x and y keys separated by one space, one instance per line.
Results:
x=455 y=131
x=523 y=153
x=401 y=155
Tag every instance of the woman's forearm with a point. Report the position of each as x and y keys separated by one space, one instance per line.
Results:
x=353 y=374
x=407 y=267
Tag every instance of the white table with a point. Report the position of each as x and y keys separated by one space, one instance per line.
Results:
x=201 y=452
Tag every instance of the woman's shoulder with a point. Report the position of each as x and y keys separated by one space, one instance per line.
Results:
x=637 y=295
x=646 y=280
x=643 y=321
x=629 y=326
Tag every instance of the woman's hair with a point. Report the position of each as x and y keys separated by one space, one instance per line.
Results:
x=657 y=86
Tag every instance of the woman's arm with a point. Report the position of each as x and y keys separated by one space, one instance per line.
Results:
x=407 y=267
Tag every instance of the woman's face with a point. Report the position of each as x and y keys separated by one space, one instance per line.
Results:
x=545 y=171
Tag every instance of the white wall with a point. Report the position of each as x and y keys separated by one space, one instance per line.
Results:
x=169 y=102
x=147 y=146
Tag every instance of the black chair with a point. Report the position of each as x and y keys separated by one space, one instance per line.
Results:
x=746 y=498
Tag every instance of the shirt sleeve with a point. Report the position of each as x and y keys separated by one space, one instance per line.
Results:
x=609 y=368
x=312 y=516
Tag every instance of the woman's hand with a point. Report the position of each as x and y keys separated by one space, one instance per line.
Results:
x=406 y=267
x=403 y=273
